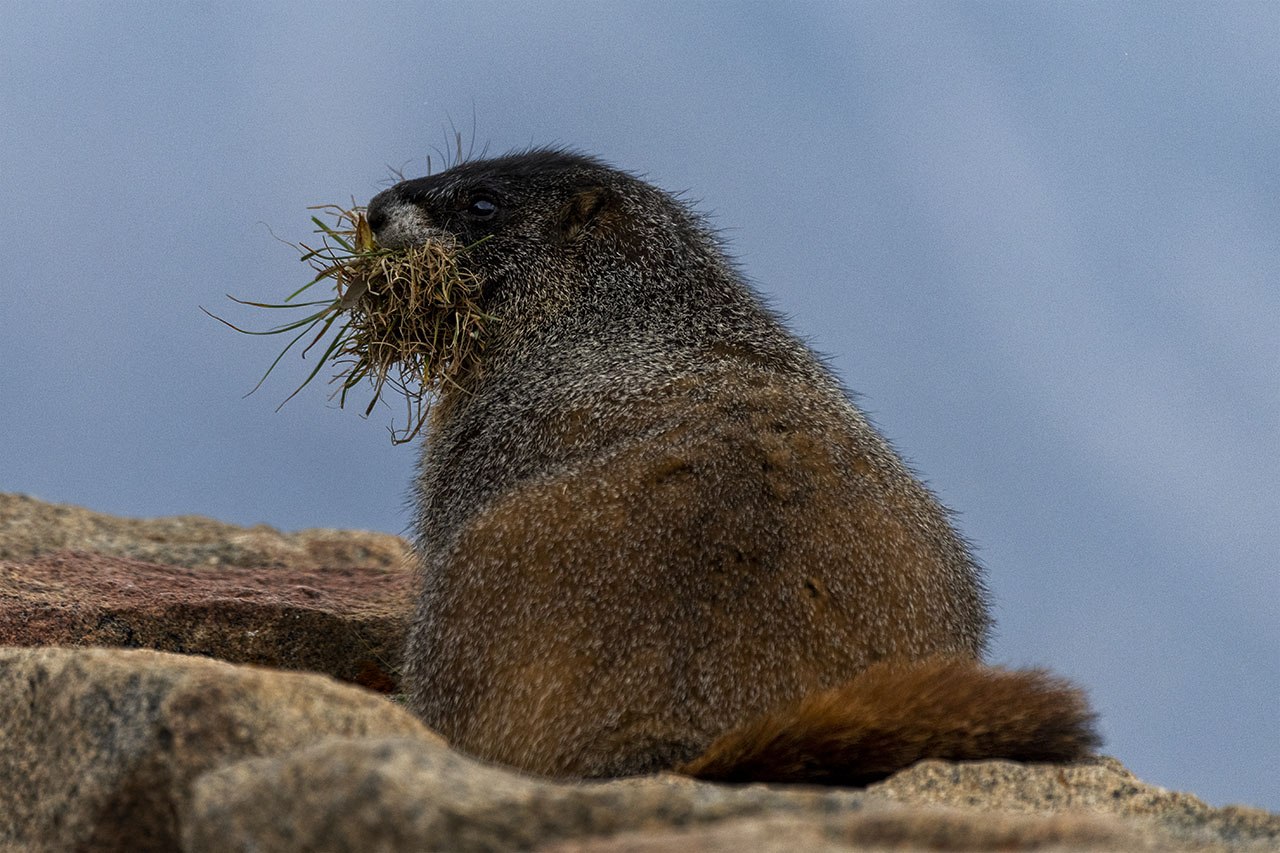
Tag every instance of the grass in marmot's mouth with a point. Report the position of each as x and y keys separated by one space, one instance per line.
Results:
x=406 y=319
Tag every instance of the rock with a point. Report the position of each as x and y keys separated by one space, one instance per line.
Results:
x=30 y=528
x=100 y=746
x=390 y=794
x=344 y=621
x=877 y=828
x=322 y=600
x=107 y=749
x=393 y=795
x=1102 y=786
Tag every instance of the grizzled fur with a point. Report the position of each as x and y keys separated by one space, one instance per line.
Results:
x=653 y=515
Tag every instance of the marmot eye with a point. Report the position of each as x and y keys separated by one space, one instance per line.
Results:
x=482 y=208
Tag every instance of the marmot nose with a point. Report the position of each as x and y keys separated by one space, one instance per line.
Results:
x=376 y=215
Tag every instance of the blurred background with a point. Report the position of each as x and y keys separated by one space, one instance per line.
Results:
x=1041 y=241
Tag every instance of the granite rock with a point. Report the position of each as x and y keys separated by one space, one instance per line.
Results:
x=347 y=622
x=396 y=795
x=393 y=795
x=30 y=528
x=1100 y=787
x=327 y=601
x=109 y=749
x=878 y=827
x=99 y=747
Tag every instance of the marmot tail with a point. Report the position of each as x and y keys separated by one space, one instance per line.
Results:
x=897 y=713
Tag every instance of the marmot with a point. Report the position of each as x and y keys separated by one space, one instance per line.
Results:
x=655 y=532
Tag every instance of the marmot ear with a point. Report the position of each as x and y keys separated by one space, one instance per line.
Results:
x=588 y=209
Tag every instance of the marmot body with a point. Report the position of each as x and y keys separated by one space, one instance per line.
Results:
x=654 y=518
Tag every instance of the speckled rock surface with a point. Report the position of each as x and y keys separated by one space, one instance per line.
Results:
x=30 y=528
x=347 y=622
x=99 y=747
x=108 y=749
x=393 y=795
x=877 y=827
x=1101 y=787
x=326 y=601
x=396 y=795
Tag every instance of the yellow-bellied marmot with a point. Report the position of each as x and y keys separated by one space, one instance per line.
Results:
x=656 y=533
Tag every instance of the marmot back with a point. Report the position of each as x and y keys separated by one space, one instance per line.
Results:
x=653 y=519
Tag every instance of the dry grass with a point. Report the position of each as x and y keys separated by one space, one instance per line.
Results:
x=406 y=319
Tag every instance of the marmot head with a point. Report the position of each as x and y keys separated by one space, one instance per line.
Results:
x=556 y=228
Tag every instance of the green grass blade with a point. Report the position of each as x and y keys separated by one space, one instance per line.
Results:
x=323 y=360
x=280 y=356
x=289 y=327
x=283 y=305
x=337 y=237
x=327 y=324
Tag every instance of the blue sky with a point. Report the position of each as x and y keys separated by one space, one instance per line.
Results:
x=1041 y=241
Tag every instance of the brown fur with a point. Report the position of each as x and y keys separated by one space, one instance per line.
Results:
x=655 y=522
x=710 y=529
x=895 y=714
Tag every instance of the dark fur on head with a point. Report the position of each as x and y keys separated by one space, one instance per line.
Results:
x=564 y=229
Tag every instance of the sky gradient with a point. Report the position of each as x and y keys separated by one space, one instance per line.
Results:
x=1041 y=241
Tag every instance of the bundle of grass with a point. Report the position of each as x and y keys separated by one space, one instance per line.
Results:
x=407 y=318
